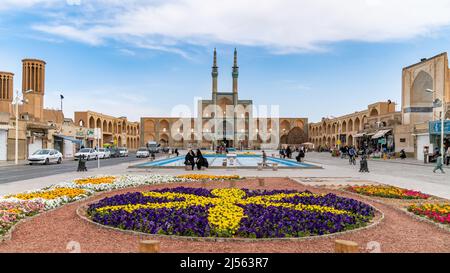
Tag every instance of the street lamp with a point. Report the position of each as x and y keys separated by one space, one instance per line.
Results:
x=16 y=102
x=435 y=103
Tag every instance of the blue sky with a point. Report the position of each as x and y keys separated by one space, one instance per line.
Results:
x=312 y=58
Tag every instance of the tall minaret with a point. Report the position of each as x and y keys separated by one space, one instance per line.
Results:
x=214 y=74
x=235 y=74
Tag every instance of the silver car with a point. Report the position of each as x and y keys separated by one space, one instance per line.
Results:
x=45 y=156
x=142 y=152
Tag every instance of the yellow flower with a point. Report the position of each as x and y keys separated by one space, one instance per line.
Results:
x=50 y=194
x=208 y=177
x=96 y=180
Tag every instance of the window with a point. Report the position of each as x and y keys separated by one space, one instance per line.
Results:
x=402 y=140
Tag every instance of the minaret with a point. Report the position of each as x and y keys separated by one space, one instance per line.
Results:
x=235 y=74
x=214 y=74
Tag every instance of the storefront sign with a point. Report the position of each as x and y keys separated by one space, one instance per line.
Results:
x=435 y=127
x=90 y=133
x=80 y=134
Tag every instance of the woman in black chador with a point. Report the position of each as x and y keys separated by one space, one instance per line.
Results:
x=201 y=161
x=189 y=159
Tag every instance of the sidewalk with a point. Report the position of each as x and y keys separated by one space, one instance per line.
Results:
x=12 y=163
x=409 y=161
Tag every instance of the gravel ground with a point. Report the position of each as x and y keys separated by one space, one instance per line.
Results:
x=54 y=230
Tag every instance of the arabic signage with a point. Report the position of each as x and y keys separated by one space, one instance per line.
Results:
x=435 y=127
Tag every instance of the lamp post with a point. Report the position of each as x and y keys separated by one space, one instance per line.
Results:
x=16 y=102
x=442 y=116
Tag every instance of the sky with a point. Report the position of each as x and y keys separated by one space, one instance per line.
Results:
x=137 y=58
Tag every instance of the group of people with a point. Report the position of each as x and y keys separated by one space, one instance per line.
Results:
x=221 y=149
x=288 y=153
x=195 y=159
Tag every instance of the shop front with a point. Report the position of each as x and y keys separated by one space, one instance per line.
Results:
x=66 y=145
x=383 y=140
x=435 y=132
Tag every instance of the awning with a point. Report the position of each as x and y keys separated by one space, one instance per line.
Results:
x=381 y=133
x=69 y=139
x=5 y=127
x=359 y=135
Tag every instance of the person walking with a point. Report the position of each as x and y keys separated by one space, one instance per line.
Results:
x=425 y=154
x=447 y=156
x=439 y=164
x=176 y=152
x=264 y=158
x=301 y=155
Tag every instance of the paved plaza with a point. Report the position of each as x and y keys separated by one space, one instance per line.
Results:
x=409 y=174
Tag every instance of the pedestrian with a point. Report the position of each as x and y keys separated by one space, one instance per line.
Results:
x=264 y=158
x=82 y=164
x=447 y=156
x=189 y=159
x=352 y=155
x=402 y=154
x=301 y=155
x=176 y=152
x=363 y=164
x=201 y=161
x=425 y=154
x=439 y=164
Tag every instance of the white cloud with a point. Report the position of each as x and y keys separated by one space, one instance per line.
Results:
x=12 y=4
x=283 y=26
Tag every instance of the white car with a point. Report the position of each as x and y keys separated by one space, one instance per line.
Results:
x=87 y=153
x=123 y=151
x=45 y=156
x=104 y=153
x=142 y=152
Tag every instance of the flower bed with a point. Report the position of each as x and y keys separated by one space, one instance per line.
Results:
x=437 y=212
x=50 y=197
x=208 y=177
x=96 y=180
x=12 y=212
x=106 y=183
x=231 y=213
x=388 y=192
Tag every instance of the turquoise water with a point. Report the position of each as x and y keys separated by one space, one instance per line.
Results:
x=243 y=161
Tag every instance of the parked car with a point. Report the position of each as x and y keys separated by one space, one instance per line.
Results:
x=153 y=147
x=142 y=152
x=88 y=154
x=104 y=153
x=45 y=156
x=123 y=151
x=114 y=152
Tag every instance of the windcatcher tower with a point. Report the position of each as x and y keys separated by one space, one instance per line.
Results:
x=6 y=91
x=33 y=78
